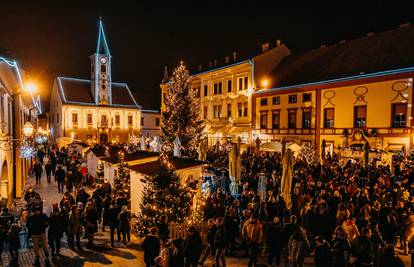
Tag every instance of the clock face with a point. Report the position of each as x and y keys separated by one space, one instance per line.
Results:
x=103 y=60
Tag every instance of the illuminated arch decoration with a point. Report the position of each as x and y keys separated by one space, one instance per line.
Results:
x=13 y=64
x=329 y=95
x=360 y=93
x=400 y=87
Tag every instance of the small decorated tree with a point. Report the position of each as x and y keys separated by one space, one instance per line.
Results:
x=121 y=180
x=163 y=195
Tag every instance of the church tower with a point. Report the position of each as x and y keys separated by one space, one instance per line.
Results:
x=101 y=70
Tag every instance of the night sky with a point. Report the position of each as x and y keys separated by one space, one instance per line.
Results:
x=50 y=39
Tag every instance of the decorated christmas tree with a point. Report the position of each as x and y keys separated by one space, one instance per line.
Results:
x=121 y=180
x=181 y=116
x=163 y=195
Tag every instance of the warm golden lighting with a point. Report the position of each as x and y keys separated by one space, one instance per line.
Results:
x=265 y=83
x=28 y=129
x=31 y=87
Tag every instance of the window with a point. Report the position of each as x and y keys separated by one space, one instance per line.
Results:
x=240 y=83
x=306 y=97
x=239 y=109
x=157 y=122
x=89 y=119
x=57 y=118
x=360 y=116
x=263 y=101
x=292 y=118
x=129 y=120
x=215 y=88
x=103 y=68
x=306 y=119
x=229 y=110
x=104 y=121
x=293 y=99
x=263 y=120
x=117 y=120
x=75 y=118
x=246 y=82
x=164 y=97
x=205 y=90
x=275 y=119
x=229 y=86
x=220 y=87
x=399 y=115
x=217 y=111
x=245 y=109
x=276 y=100
x=329 y=115
x=205 y=112
x=142 y=121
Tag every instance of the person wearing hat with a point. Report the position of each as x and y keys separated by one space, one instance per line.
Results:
x=151 y=246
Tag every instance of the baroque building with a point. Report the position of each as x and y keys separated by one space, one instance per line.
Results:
x=96 y=110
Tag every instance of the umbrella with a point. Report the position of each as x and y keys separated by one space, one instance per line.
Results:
x=234 y=169
x=286 y=184
x=283 y=147
x=366 y=148
x=323 y=150
x=143 y=146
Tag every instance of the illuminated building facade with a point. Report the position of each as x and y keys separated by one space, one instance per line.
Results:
x=346 y=94
x=97 y=110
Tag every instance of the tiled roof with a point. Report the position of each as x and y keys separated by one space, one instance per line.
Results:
x=383 y=51
x=150 y=168
x=131 y=157
x=77 y=91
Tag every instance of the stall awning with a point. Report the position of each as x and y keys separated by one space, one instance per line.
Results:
x=240 y=130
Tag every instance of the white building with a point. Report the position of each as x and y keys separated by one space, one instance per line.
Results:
x=150 y=123
x=97 y=110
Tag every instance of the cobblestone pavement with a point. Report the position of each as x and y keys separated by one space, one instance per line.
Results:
x=103 y=254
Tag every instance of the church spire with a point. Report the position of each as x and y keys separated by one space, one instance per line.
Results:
x=165 y=77
x=102 y=45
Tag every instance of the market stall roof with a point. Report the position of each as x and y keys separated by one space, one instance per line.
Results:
x=150 y=168
x=240 y=129
x=131 y=157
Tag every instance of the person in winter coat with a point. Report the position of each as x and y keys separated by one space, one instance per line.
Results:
x=75 y=217
x=91 y=223
x=151 y=246
x=274 y=240
x=37 y=170
x=112 y=220
x=60 y=176
x=105 y=205
x=350 y=229
x=124 y=219
x=341 y=247
x=66 y=197
x=252 y=230
x=48 y=170
x=297 y=247
x=220 y=241
x=14 y=243
x=82 y=196
x=37 y=224
x=177 y=257
x=323 y=255
x=388 y=258
x=211 y=232
x=363 y=249
x=56 y=228
x=193 y=246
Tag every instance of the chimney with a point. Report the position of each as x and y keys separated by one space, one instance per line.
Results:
x=227 y=59
x=234 y=55
x=323 y=46
x=278 y=42
x=200 y=67
x=370 y=34
x=342 y=41
x=265 y=47
x=405 y=25
x=210 y=64
x=215 y=63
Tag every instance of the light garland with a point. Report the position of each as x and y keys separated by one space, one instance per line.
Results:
x=27 y=151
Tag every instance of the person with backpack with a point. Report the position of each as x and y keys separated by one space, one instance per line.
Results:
x=323 y=255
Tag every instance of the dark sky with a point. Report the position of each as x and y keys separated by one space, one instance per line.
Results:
x=49 y=38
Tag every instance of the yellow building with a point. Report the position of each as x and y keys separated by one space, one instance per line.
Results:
x=345 y=94
x=225 y=93
x=95 y=110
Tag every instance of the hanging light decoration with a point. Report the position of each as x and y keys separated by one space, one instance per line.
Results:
x=41 y=139
x=27 y=151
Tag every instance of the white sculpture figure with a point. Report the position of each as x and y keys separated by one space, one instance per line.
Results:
x=177 y=145
x=143 y=146
x=154 y=144
x=261 y=188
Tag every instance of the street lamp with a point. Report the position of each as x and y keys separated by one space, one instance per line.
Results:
x=28 y=129
x=31 y=87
